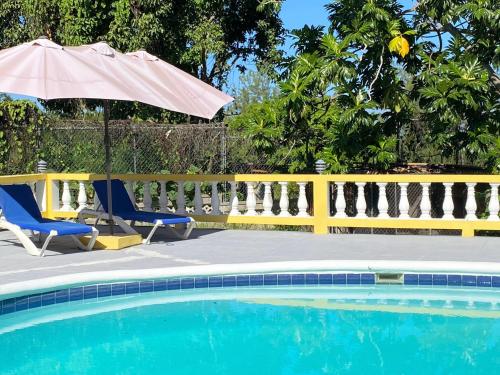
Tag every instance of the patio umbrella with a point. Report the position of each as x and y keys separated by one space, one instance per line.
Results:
x=46 y=70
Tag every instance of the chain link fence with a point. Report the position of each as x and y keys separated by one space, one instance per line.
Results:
x=147 y=148
x=77 y=146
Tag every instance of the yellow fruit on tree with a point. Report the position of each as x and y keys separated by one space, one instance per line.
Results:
x=399 y=45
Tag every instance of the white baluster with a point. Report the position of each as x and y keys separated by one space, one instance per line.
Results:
x=234 y=200
x=302 y=204
x=448 y=202
x=361 y=202
x=147 y=201
x=383 y=204
x=66 y=197
x=284 y=203
x=494 y=206
x=470 y=205
x=425 y=203
x=181 y=199
x=404 y=206
x=82 y=196
x=163 y=197
x=198 y=201
x=267 y=203
x=340 y=204
x=215 y=199
x=129 y=186
x=251 y=199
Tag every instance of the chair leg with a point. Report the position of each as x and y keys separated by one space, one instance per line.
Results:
x=180 y=235
x=91 y=243
x=124 y=226
x=22 y=237
x=47 y=240
x=147 y=241
x=95 y=234
x=183 y=235
x=189 y=229
x=103 y=215
x=79 y=244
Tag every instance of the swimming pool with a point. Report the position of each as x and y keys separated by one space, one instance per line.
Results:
x=268 y=329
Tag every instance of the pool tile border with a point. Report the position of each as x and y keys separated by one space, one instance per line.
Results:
x=87 y=292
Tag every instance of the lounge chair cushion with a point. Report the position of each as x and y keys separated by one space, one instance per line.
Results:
x=20 y=208
x=63 y=228
x=124 y=208
x=121 y=200
x=18 y=204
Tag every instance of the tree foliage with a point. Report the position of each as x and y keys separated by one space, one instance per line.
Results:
x=20 y=121
x=385 y=83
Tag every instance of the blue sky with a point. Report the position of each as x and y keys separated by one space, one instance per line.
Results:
x=297 y=13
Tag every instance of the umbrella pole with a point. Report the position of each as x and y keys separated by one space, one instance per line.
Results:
x=107 y=146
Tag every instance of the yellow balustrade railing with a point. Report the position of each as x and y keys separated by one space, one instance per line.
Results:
x=318 y=214
x=23 y=178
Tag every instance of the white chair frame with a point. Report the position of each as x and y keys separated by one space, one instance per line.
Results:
x=127 y=228
x=30 y=246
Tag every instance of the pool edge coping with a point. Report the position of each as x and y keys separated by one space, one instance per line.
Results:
x=371 y=266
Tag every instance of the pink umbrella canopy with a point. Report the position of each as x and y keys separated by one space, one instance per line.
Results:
x=192 y=95
x=46 y=70
x=167 y=86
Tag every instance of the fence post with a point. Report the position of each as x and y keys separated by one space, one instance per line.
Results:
x=321 y=204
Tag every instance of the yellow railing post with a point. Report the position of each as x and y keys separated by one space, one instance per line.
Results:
x=468 y=231
x=321 y=204
x=49 y=191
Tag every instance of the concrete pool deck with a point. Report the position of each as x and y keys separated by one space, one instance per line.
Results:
x=209 y=247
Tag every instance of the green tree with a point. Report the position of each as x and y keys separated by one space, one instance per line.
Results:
x=458 y=84
x=11 y=30
x=386 y=80
x=20 y=125
x=255 y=86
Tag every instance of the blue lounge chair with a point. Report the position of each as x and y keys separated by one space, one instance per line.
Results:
x=19 y=211
x=124 y=209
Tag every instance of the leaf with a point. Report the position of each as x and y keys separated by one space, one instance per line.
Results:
x=410 y=32
x=399 y=45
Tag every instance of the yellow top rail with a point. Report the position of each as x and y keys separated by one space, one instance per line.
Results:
x=404 y=178
x=6 y=180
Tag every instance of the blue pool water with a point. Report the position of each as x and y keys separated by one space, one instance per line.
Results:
x=314 y=331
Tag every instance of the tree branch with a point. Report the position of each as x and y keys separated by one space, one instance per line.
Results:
x=216 y=68
x=377 y=74
x=440 y=38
